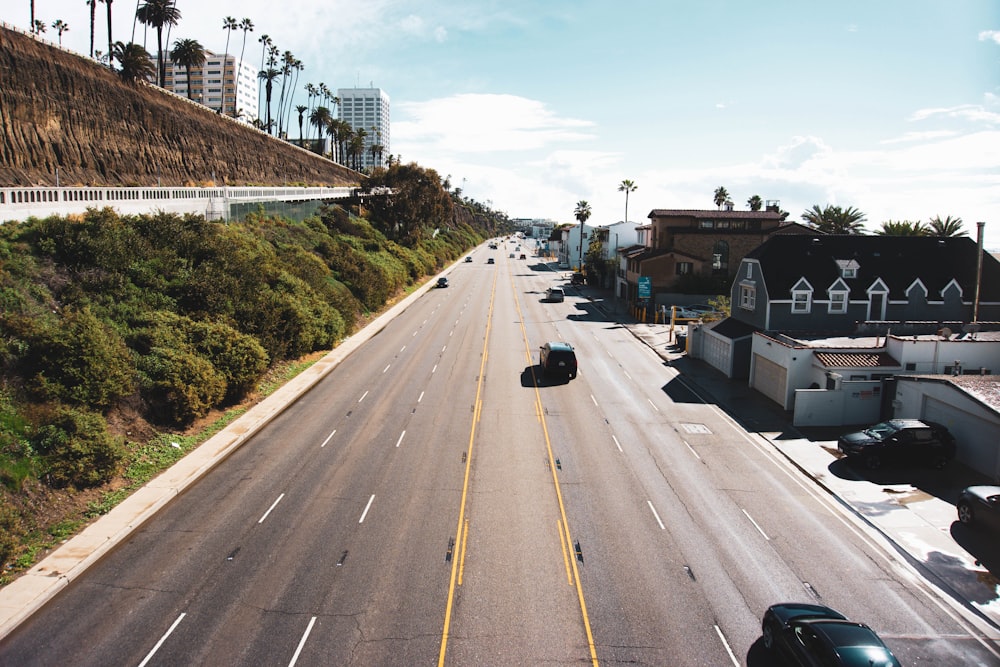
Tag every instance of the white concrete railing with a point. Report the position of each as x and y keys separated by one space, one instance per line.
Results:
x=24 y=202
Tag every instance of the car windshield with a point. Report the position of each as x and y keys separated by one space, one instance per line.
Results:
x=880 y=431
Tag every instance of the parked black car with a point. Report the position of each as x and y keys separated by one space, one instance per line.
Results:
x=980 y=505
x=810 y=635
x=900 y=441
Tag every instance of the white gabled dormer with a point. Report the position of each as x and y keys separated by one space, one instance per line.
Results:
x=848 y=268
x=916 y=293
x=952 y=286
x=838 y=293
x=802 y=294
x=878 y=299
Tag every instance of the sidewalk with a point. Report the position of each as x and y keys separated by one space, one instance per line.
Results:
x=914 y=509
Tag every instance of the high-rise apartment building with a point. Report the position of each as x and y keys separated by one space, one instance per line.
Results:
x=232 y=79
x=368 y=109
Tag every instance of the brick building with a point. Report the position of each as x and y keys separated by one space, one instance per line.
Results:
x=708 y=244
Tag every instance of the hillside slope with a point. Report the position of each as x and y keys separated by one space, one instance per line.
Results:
x=58 y=109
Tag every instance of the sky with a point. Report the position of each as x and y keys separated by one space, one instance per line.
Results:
x=531 y=106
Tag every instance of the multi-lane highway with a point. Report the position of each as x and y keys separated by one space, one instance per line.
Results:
x=434 y=501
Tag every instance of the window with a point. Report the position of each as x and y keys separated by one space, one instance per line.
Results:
x=684 y=268
x=720 y=258
x=801 y=302
x=706 y=224
x=850 y=272
x=838 y=302
x=748 y=297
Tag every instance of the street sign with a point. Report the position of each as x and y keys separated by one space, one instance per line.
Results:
x=645 y=287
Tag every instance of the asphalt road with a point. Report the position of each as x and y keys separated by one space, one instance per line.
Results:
x=433 y=500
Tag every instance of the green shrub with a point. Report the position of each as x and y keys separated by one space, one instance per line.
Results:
x=78 y=359
x=77 y=449
x=180 y=386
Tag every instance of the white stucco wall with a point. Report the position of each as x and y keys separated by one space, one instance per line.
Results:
x=975 y=427
x=931 y=356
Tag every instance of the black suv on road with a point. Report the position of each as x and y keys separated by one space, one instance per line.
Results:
x=558 y=359
x=900 y=441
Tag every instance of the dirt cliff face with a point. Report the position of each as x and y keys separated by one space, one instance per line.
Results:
x=61 y=110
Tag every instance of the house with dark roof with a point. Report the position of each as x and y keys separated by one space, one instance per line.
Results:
x=835 y=283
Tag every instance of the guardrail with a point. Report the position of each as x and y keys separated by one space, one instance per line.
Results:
x=24 y=202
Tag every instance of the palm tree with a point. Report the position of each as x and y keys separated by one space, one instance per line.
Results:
x=134 y=61
x=111 y=45
x=901 y=228
x=721 y=196
x=321 y=120
x=948 y=227
x=341 y=132
x=310 y=97
x=297 y=67
x=264 y=42
x=246 y=25
x=582 y=214
x=60 y=27
x=39 y=27
x=755 y=203
x=188 y=53
x=356 y=147
x=93 y=15
x=627 y=186
x=159 y=13
x=228 y=24
x=301 y=109
x=834 y=220
x=267 y=77
x=287 y=59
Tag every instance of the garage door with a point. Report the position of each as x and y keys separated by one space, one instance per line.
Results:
x=977 y=437
x=770 y=379
x=718 y=352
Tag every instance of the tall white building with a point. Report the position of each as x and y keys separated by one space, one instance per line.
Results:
x=367 y=108
x=207 y=87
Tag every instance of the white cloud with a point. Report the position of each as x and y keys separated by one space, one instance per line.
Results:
x=471 y=123
x=990 y=35
x=970 y=112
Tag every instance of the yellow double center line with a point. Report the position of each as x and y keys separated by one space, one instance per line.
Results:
x=461 y=532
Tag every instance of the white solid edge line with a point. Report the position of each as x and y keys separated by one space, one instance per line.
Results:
x=367 y=507
x=302 y=642
x=273 y=505
x=156 y=648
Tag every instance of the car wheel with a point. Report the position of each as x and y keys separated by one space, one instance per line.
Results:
x=873 y=462
x=768 y=633
x=965 y=513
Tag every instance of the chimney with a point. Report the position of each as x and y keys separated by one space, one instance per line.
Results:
x=979 y=268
